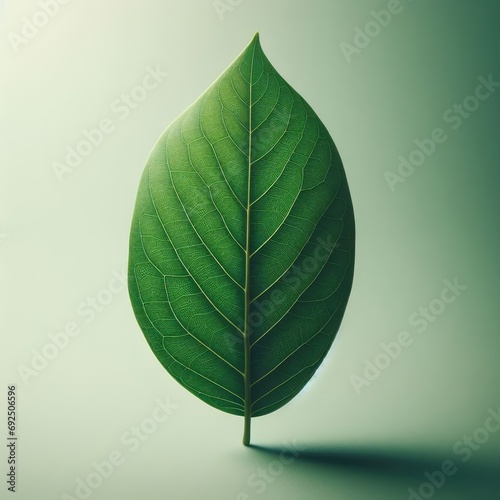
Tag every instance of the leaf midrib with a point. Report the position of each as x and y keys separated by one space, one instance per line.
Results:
x=246 y=335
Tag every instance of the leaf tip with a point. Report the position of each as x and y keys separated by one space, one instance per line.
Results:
x=255 y=40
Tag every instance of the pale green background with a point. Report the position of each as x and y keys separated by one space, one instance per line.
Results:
x=61 y=241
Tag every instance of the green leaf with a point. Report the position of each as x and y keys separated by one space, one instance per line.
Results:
x=242 y=242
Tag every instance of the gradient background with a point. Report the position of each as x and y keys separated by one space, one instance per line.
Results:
x=61 y=241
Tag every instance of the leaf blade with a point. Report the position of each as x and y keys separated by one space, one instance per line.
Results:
x=242 y=242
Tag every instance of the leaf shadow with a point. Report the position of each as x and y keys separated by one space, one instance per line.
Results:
x=405 y=464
